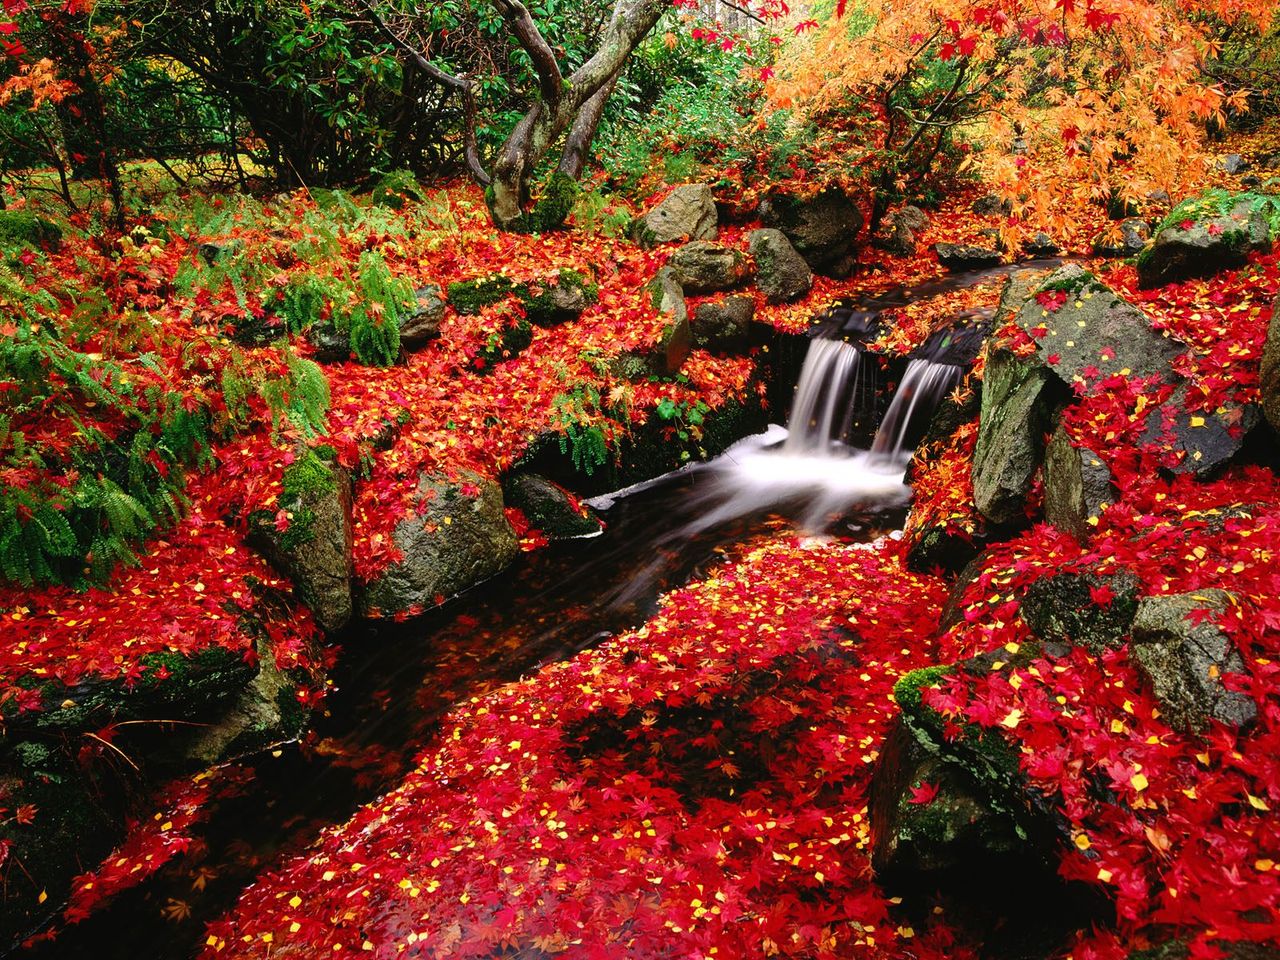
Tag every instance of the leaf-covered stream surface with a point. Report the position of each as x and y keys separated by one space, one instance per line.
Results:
x=396 y=688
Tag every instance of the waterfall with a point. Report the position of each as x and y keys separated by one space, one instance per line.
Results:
x=824 y=396
x=922 y=389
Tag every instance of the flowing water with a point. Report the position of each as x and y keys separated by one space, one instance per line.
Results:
x=396 y=681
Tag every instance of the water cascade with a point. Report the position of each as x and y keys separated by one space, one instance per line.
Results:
x=823 y=406
x=922 y=389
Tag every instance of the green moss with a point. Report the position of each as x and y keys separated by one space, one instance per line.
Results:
x=469 y=297
x=1075 y=284
x=506 y=344
x=395 y=189
x=544 y=309
x=907 y=691
x=18 y=226
x=553 y=207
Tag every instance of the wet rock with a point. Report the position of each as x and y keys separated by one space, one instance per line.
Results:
x=1184 y=654
x=309 y=537
x=1082 y=609
x=823 y=229
x=551 y=508
x=559 y=298
x=953 y=609
x=992 y=205
x=456 y=535
x=1077 y=485
x=1199 y=239
x=724 y=324
x=1270 y=378
x=1017 y=403
x=705 y=267
x=687 y=213
x=1133 y=236
x=1198 y=441
x=912 y=216
x=781 y=273
x=422 y=325
x=967 y=256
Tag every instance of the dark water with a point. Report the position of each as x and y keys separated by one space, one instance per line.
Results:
x=395 y=681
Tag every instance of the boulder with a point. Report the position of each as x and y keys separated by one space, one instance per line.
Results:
x=781 y=273
x=723 y=324
x=1040 y=244
x=992 y=205
x=1183 y=652
x=668 y=354
x=455 y=536
x=422 y=325
x=1083 y=331
x=1198 y=441
x=308 y=537
x=1270 y=378
x=1202 y=237
x=1133 y=236
x=705 y=267
x=687 y=213
x=823 y=228
x=1232 y=163
x=1085 y=609
x=967 y=256
x=1017 y=405
x=550 y=508
x=559 y=298
x=896 y=238
x=1077 y=485
x=912 y=216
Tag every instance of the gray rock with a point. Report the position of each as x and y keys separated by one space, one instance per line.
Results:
x=551 y=508
x=781 y=273
x=1184 y=654
x=967 y=256
x=451 y=540
x=1198 y=442
x=823 y=229
x=1042 y=245
x=896 y=238
x=328 y=344
x=314 y=550
x=912 y=216
x=1251 y=182
x=992 y=205
x=422 y=325
x=687 y=213
x=1092 y=329
x=560 y=298
x=723 y=324
x=1077 y=485
x=1016 y=409
x=1232 y=163
x=704 y=267
x=1209 y=243
x=1270 y=379
x=667 y=356
x=1062 y=609
x=1134 y=234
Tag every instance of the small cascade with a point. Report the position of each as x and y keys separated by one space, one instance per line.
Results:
x=823 y=404
x=922 y=389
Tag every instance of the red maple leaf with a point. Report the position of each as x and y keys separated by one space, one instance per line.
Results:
x=923 y=793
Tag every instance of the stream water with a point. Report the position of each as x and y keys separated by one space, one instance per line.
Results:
x=395 y=681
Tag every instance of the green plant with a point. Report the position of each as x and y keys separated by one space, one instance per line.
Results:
x=577 y=417
x=686 y=417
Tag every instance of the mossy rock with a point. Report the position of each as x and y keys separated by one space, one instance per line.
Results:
x=1205 y=235
x=505 y=345
x=18 y=226
x=552 y=209
x=559 y=298
x=1063 y=609
x=469 y=297
x=396 y=189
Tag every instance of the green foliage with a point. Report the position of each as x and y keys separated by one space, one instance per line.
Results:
x=1217 y=202
x=373 y=321
x=576 y=416
x=506 y=343
x=395 y=189
x=686 y=417
x=19 y=227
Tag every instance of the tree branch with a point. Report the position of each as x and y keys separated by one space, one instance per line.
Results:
x=550 y=80
x=462 y=85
